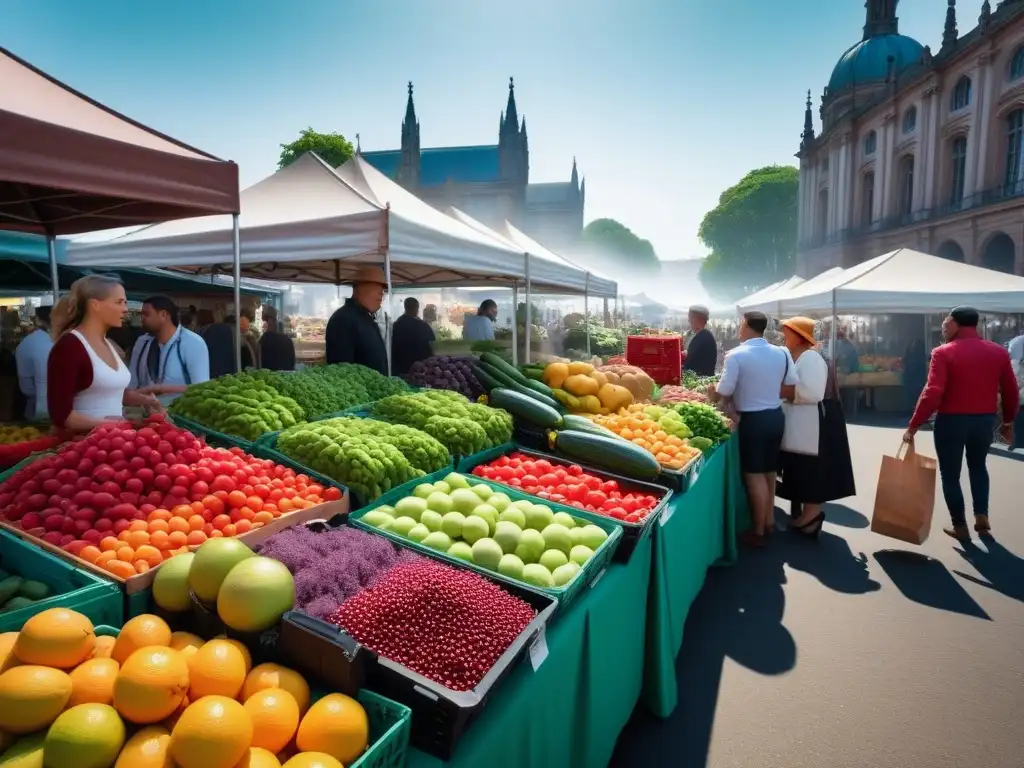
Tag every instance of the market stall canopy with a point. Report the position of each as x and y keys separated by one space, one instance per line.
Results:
x=69 y=165
x=769 y=302
x=775 y=289
x=547 y=262
x=905 y=281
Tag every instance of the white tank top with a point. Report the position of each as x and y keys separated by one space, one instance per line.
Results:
x=104 y=398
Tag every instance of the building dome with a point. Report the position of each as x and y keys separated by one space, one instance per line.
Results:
x=868 y=60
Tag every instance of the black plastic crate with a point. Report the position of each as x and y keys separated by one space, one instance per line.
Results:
x=440 y=716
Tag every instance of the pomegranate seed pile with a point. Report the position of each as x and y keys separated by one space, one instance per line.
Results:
x=444 y=623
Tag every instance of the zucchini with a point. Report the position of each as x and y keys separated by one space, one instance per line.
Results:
x=610 y=453
x=576 y=423
x=508 y=383
x=487 y=381
x=508 y=369
x=534 y=374
x=523 y=407
x=539 y=386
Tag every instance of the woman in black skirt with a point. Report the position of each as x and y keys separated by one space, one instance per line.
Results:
x=815 y=462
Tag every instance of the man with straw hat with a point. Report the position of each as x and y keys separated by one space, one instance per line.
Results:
x=353 y=335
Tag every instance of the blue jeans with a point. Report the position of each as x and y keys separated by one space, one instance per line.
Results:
x=957 y=435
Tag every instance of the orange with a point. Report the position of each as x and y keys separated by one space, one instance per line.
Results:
x=140 y=566
x=215 y=505
x=126 y=553
x=109 y=543
x=90 y=553
x=31 y=697
x=173 y=718
x=104 y=646
x=151 y=684
x=216 y=669
x=121 y=568
x=274 y=676
x=258 y=758
x=158 y=525
x=214 y=732
x=215 y=534
x=186 y=643
x=182 y=510
x=229 y=529
x=219 y=521
x=243 y=526
x=196 y=522
x=92 y=682
x=137 y=525
x=146 y=749
x=105 y=557
x=312 y=760
x=241 y=649
x=177 y=538
x=150 y=554
x=58 y=637
x=275 y=718
x=159 y=539
x=236 y=499
x=159 y=514
x=195 y=538
x=336 y=725
x=178 y=524
x=137 y=539
x=140 y=632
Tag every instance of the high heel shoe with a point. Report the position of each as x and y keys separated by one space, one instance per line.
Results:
x=812 y=528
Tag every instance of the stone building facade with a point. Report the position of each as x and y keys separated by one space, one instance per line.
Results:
x=916 y=149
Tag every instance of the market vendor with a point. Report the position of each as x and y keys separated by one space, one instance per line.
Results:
x=702 y=351
x=411 y=339
x=276 y=350
x=30 y=358
x=353 y=335
x=167 y=358
x=480 y=327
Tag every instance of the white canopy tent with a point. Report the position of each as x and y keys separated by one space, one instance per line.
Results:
x=770 y=290
x=769 y=302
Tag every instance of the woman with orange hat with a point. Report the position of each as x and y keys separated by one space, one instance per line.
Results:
x=815 y=463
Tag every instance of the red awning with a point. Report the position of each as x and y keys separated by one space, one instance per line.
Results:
x=69 y=165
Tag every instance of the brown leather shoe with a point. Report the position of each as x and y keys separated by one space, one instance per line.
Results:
x=959 y=532
x=981 y=525
x=751 y=539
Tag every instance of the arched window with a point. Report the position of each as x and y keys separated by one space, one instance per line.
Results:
x=868 y=200
x=1017 y=64
x=959 y=170
x=1014 y=183
x=961 y=94
x=870 y=143
x=906 y=182
x=910 y=120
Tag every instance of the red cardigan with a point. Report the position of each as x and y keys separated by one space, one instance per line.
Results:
x=68 y=372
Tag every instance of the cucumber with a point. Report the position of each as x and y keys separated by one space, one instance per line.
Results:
x=534 y=374
x=509 y=370
x=34 y=590
x=576 y=423
x=611 y=453
x=16 y=603
x=539 y=386
x=9 y=588
x=487 y=381
x=528 y=409
x=508 y=383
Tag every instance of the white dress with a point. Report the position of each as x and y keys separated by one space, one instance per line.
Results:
x=104 y=398
x=802 y=425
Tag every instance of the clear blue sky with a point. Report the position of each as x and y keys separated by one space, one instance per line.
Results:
x=664 y=104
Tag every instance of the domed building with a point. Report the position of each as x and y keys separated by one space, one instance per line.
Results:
x=917 y=149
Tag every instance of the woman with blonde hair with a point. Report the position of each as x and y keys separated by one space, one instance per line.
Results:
x=87 y=379
x=816 y=466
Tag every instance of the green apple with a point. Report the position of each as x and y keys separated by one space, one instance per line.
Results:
x=499 y=501
x=464 y=500
x=555 y=537
x=487 y=553
x=423 y=490
x=523 y=504
x=378 y=519
x=387 y=509
x=455 y=480
x=538 y=575
x=452 y=524
x=531 y=546
x=562 y=518
x=475 y=528
x=402 y=525
x=439 y=502
x=431 y=519
x=482 y=490
x=563 y=574
x=442 y=487
x=511 y=566
x=580 y=554
x=419 y=532
x=593 y=536
x=538 y=517
x=553 y=558
x=411 y=506
x=462 y=551
x=512 y=515
x=438 y=540
x=507 y=534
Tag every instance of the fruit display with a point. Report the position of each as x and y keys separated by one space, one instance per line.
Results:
x=521 y=540
x=447 y=624
x=126 y=499
x=583 y=389
x=17 y=443
x=370 y=457
x=632 y=378
x=331 y=566
x=152 y=697
x=704 y=421
x=14 y=433
x=19 y=590
x=461 y=426
x=568 y=485
x=657 y=430
x=874 y=363
x=238 y=404
x=671 y=394
x=444 y=372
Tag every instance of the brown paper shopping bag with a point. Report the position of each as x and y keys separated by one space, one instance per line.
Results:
x=905 y=499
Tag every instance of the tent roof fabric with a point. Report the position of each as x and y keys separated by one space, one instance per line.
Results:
x=69 y=165
x=769 y=300
x=775 y=289
x=905 y=281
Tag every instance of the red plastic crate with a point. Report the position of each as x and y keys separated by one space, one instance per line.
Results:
x=663 y=375
x=662 y=351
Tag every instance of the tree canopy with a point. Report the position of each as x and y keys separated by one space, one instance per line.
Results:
x=751 y=233
x=618 y=244
x=333 y=148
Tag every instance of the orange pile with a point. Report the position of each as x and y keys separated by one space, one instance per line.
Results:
x=671 y=452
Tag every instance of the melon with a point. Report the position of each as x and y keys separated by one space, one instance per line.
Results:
x=85 y=736
x=213 y=561
x=170 y=586
x=255 y=594
x=31 y=697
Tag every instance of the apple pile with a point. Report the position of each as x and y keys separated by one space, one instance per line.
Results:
x=127 y=498
x=521 y=540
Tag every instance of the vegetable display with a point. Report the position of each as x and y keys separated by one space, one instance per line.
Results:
x=641 y=426
x=18 y=590
x=238 y=404
x=444 y=372
x=568 y=485
x=313 y=392
x=697 y=383
x=672 y=394
x=704 y=421
x=370 y=457
x=350 y=374
x=461 y=426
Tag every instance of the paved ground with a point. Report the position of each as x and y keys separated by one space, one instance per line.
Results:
x=858 y=651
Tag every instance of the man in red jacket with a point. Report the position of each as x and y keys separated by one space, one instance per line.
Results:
x=966 y=379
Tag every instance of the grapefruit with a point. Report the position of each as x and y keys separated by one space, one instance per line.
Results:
x=212 y=563
x=58 y=637
x=275 y=717
x=26 y=752
x=104 y=646
x=258 y=758
x=151 y=684
x=275 y=676
x=214 y=732
x=313 y=760
x=216 y=669
x=255 y=594
x=146 y=749
x=186 y=643
x=336 y=725
x=31 y=697
x=85 y=736
x=170 y=586
x=92 y=682
x=140 y=632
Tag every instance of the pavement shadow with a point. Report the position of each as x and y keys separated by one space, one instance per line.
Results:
x=927 y=581
x=1000 y=569
x=1005 y=453
x=847 y=517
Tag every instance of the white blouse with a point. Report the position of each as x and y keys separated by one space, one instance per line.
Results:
x=801 y=434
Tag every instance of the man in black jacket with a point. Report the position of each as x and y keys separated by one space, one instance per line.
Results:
x=353 y=335
x=702 y=352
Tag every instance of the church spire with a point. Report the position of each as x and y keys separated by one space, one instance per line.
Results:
x=511 y=115
x=949 y=31
x=409 y=172
x=807 y=137
x=575 y=179
x=881 y=18
x=410 y=110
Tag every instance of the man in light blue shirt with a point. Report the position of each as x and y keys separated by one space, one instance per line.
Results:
x=168 y=358
x=480 y=327
x=30 y=358
x=753 y=377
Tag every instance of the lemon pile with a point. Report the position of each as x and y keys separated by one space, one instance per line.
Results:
x=152 y=698
x=11 y=434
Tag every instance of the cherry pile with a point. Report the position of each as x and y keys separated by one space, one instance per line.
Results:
x=444 y=623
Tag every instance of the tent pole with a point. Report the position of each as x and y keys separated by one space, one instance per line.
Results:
x=237 y=269
x=529 y=314
x=387 y=306
x=586 y=310
x=51 y=249
x=835 y=331
x=515 y=324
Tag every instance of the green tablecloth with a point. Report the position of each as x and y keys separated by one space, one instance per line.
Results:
x=571 y=710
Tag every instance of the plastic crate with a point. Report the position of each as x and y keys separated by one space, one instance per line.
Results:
x=213 y=437
x=680 y=480
x=440 y=716
x=390 y=723
x=664 y=375
x=632 y=533
x=77 y=589
x=644 y=351
x=566 y=595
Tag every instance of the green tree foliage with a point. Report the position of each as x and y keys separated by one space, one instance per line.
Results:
x=333 y=148
x=615 y=243
x=751 y=233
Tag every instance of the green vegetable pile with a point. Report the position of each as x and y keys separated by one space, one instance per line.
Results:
x=239 y=405
x=698 y=383
x=462 y=427
x=670 y=421
x=703 y=421
x=314 y=392
x=350 y=374
x=370 y=457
